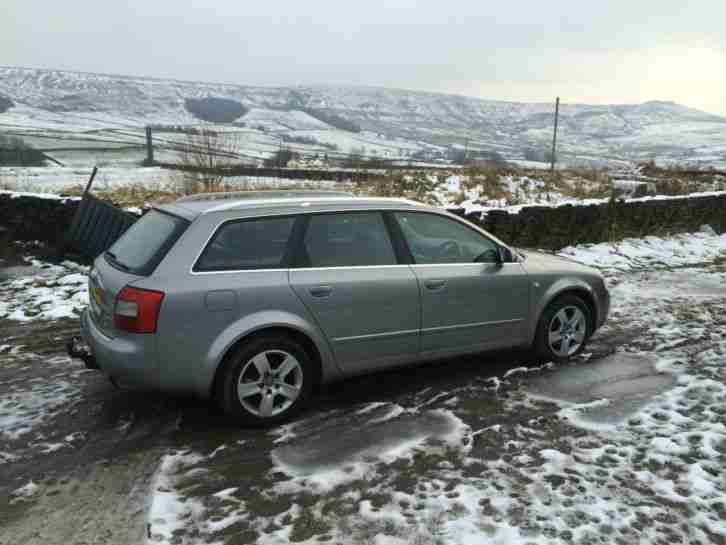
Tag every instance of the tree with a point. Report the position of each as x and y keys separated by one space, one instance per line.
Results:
x=531 y=154
x=332 y=119
x=215 y=109
x=15 y=152
x=280 y=158
x=5 y=104
x=208 y=156
x=457 y=155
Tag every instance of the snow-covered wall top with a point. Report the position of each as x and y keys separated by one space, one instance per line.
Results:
x=556 y=227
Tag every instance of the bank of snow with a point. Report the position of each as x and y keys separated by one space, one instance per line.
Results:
x=642 y=253
x=42 y=291
x=477 y=205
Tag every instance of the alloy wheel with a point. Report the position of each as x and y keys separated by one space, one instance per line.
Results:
x=566 y=331
x=270 y=383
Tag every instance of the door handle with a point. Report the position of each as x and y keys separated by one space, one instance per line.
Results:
x=321 y=291
x=434 y=284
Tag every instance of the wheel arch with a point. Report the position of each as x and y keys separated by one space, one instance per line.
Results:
x=309 y=345
x=579 y=289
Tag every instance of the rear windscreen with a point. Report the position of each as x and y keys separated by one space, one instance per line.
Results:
x=146 y=242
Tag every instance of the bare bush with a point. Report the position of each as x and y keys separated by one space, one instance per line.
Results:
x=206 y=155
x=416 y=185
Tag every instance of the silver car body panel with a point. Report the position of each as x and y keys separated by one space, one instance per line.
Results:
x=371 y=317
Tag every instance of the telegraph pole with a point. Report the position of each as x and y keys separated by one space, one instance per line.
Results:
x=554 y=147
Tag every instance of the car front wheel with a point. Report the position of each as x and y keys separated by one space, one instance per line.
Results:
x=564 y=328
x=268 y=381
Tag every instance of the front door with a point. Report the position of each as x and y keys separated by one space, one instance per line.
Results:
x=470 y=300
x=348 y=276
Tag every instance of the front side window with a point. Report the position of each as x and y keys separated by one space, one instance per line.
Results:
x=346 y=240
x=434 y=239
x=247 y=245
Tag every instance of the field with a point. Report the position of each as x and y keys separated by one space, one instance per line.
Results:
x=82 y=118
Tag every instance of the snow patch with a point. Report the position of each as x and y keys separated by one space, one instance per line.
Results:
x=52 y=293
x=649 y=252
x=328 y=459
x=24 y=493
x=23 y=410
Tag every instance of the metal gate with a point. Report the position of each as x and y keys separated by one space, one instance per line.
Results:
x=96 y=225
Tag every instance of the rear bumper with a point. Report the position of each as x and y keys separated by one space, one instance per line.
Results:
x=130 y=361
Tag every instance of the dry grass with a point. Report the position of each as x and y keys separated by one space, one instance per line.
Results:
x=487 y=178
x=136 y=194
x=416 y=185
x=140 y=195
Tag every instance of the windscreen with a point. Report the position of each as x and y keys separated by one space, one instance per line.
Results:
x=146 y=242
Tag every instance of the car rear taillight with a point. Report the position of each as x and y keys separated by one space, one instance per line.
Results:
x=137 y=310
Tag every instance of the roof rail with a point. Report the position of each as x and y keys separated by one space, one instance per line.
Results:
x=253 y=195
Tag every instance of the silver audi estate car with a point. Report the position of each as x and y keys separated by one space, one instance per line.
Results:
x=255 y=299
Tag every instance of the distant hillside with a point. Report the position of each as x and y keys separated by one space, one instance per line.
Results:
x=382 y=121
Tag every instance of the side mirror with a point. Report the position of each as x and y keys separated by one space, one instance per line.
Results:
x=505 y=255
x=490 y=256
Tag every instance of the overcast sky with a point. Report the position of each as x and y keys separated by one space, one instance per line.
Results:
x=606 y=51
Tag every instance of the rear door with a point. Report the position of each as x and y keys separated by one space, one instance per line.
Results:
x=469 y=300
x=348 y=275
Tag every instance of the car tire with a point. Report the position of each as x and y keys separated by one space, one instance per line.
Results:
x=267 y=381
x=563 y=329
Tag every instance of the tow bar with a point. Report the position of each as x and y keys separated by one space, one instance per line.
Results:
x=77 y=348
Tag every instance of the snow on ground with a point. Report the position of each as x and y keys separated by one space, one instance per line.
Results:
x=25 y=492
x=50 y=179
x=641 y=253
x=49 y=196
x=623 y=448
x=50 y=292
x=44 y=181
x=22 y=410
x=26 y=405
x=626 y=446
x=390 y=432
x=168 y=510
x=476 y=204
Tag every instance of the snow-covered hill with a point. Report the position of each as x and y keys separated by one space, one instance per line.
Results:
x=93 y=110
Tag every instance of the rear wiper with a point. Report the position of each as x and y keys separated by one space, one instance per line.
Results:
x=116 y=262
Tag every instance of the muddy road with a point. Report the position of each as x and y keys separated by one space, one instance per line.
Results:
x=626 y=444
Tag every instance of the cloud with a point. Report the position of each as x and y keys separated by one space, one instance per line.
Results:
x=614 y=51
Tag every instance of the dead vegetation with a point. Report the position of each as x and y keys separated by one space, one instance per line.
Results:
x=508 y=185
x=141 y=195
x=212 y=152
x=416 y=185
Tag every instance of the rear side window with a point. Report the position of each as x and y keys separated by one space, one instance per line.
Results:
x=142 y=247
x=347 y=240
x=247 y=244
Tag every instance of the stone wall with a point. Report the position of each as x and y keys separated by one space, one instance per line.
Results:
x=29 y=218
x=555 y=228
x=47 y=220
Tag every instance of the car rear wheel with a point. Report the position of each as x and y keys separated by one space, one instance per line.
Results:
x=564 y=328
x=267 y=381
